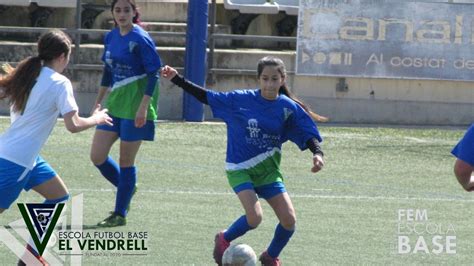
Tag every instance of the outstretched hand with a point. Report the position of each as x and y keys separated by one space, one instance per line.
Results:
x=168 y=72
x=101 y=116
x=318 y=163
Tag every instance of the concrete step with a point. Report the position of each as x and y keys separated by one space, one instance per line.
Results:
x=97 y=38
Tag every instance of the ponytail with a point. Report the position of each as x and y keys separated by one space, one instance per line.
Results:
x=19 y=81
x=17 y=84
x=318 y=118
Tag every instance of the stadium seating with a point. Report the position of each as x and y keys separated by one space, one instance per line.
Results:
x=251 y=6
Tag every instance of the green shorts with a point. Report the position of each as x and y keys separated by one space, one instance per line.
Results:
x=264 y=173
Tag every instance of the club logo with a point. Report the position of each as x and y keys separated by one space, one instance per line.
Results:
x=253 y=128
x=40 y=219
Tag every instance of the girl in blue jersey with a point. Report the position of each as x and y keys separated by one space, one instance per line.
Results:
x=131 y=76
x=37 y=94
x=464 y=166
x=258 y=123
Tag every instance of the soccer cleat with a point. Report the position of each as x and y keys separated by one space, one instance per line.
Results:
x=220 y=245
x=133 y=194
x=113 y=220
x=266 y=260
x=41 y=260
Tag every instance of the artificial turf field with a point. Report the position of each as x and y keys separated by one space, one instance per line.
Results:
x=346 y=214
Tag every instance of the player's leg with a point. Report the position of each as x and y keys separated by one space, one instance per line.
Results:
x=53 y=190
x=126 y=184
x=99 y=155
x=13 y=178
x=45 y=181
x=251 y=219
x=284 y=210
x=463 y=172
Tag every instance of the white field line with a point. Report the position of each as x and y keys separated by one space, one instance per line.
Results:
x=293 y=195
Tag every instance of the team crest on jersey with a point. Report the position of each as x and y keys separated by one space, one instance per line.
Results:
x=253 y=128
x=131 y=46
x=287 y=112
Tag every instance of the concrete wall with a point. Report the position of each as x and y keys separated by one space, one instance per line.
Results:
x=390 y=101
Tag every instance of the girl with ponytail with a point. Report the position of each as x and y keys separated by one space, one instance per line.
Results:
x=37 y=94
x=258 y=123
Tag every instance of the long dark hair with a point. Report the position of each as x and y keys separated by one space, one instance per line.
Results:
x=136 y=18
x=19 y=81
x=280 y=66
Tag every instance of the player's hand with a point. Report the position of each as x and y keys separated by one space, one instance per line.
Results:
x=168 y=72
x=140 y=117
x=318 y=163
x=94 y=108
x=101 y=116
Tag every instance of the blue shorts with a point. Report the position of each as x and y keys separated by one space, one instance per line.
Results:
x=126 y=130
x=464 y=150
x=266 y=191
x=14 y=178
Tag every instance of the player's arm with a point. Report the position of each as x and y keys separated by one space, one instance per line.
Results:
x=74 y=123
x=315 y=148
x=197 y=91
x=141 y=115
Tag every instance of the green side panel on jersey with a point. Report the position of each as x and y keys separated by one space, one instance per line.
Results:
x=264 y=173
x=123 y=102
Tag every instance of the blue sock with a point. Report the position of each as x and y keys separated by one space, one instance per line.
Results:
x=281 y=238
x=59 y=200
x=238 y=228
x=128 y=179
x=110 y=170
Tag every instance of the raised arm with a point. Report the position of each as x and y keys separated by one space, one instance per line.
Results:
x=197 y=91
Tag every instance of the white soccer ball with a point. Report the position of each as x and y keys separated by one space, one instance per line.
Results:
x=239 y=255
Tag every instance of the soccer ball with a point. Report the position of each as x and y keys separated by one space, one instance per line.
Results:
x=239 y=255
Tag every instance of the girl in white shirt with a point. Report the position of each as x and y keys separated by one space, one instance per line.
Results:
x=38 y=93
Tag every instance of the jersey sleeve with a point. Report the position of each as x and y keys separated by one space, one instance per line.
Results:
x=65 y=101
x=221 y=103
x=150 y=59
x=106 y=43
x=300 y=128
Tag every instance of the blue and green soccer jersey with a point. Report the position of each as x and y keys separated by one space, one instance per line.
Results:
x=257 y=128
x=128 y=59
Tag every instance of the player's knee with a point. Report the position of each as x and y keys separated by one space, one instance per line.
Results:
x=254 y=219
x=97 y=159
x=288 y=222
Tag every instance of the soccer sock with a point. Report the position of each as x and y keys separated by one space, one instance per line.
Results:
x=238 y=228
x=110 y=170
x=128 y=179
x=280 y=239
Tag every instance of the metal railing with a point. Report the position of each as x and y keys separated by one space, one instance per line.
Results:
x=77 y=31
